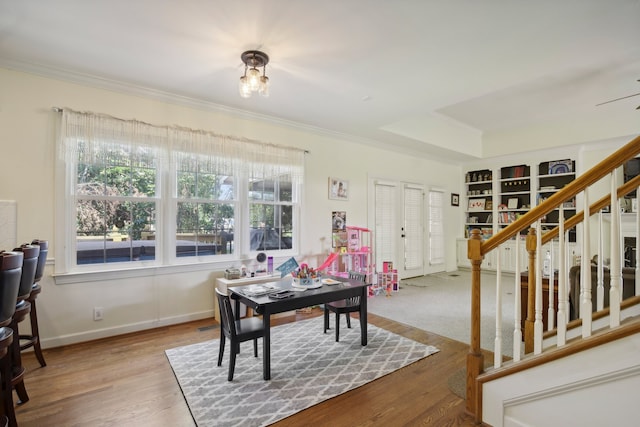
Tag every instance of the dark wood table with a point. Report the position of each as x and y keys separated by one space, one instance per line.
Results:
x=266 y=306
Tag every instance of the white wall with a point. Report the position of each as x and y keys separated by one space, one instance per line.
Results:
x=160 y=296
x=590 y=388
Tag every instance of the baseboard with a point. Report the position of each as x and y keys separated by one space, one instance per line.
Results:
x=122 y=329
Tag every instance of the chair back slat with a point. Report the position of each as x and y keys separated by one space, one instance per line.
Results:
x=360 y=277
x=227 y=320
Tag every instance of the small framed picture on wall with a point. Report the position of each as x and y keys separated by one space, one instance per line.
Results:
x=455 y=199
x=338 y=189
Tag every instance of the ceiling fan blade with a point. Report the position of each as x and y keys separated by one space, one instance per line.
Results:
x=618 y=99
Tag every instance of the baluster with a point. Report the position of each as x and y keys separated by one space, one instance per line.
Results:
x=600 y=266
x=532 y=249
x=585 y=271
x=497 y=352
x=475 y=358
x=615 y=268
x=563 y=301
x=537 y=325
x=551 y=321
x=517 y=331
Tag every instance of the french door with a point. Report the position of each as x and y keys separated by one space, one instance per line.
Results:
x=412 y=231
x=408 y=228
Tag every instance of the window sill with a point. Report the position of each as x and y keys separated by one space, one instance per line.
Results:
x=109 y=275
x=154 y=270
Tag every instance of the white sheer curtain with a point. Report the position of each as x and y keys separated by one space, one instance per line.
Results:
x=81 y=133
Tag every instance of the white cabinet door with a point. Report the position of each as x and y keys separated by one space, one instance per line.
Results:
x=489 y=261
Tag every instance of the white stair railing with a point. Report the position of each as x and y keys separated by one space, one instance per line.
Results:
x=615 y=294
x=563 y=294
x=517 y=325
x=560 y=261
x=538 y=327
x=497 y=351
x=585 y=270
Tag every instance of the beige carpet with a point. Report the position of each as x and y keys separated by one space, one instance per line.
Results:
x=441 y=303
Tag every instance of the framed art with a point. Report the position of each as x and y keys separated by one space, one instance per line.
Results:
x=513 y=203
x=338 y=220
x=560 y=166
x=338 y=189
x=476 y=204
x=455 y=199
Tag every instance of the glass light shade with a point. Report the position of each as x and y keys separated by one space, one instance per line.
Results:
x=245 y=90
x=264 y=86
x=253 y=75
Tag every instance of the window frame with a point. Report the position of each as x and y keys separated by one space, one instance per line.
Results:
x=166 y=260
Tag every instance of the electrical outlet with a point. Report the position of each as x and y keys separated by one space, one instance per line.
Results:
x=97 y=313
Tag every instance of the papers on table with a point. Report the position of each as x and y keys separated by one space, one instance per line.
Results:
x=258 y=290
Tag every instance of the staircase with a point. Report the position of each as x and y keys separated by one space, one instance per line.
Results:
x=580 y=372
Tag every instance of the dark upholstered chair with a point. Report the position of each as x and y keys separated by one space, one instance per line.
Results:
x=346 y=306
x=10 y=274
x=33 y=340
x=23 y=308
x=628 y=287
x=237 y=331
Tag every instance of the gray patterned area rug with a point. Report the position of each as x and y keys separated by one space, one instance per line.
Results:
x=307 y=367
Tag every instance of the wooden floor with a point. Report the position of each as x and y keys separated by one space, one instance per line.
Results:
x=127 y=381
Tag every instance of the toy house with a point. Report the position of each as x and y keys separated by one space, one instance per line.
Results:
x=357 y=256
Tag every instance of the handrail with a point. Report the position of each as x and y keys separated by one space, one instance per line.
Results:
x=623 y=190
x=576 y=186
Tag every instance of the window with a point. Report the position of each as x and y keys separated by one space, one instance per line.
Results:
x=135 y=194
x=271 y=213
x=206 y=205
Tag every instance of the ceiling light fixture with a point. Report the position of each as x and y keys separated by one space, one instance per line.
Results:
x=252 y=81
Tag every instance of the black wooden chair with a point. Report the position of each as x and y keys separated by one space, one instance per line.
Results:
x=237 y=331
x=346 y=306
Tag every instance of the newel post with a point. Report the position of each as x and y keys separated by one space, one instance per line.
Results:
x=475 y=360
x=531 y=245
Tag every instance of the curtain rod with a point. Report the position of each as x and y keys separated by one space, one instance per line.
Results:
x=60 y=110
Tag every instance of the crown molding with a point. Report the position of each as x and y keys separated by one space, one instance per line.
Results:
x=159 y=95
x=411 y=147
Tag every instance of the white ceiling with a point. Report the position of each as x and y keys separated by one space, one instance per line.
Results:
x=407 y=73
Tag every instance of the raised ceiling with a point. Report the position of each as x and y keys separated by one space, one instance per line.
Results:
x=433 y=77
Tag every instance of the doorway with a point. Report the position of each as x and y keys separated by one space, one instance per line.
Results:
x=407 y=227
